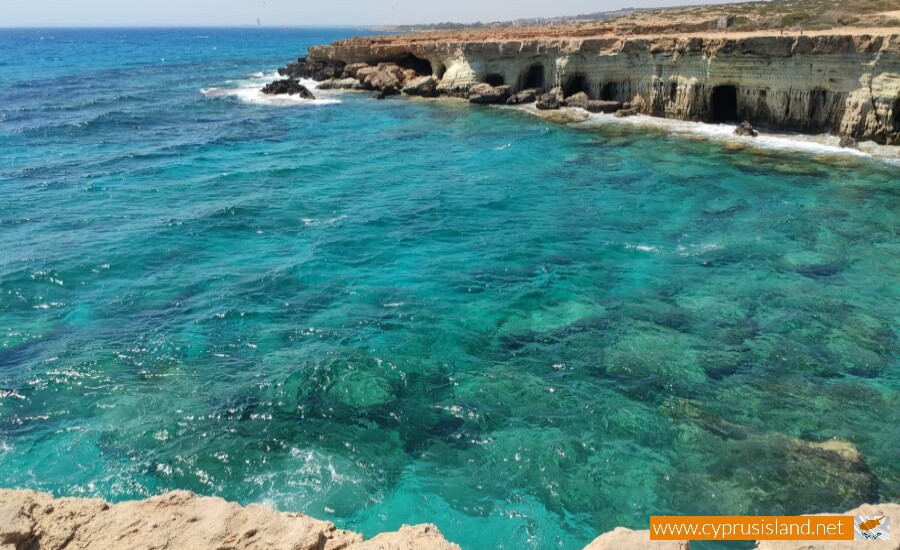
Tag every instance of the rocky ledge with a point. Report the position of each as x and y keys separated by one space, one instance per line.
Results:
x=182 y=520
x=845 y=84
x=37 y=521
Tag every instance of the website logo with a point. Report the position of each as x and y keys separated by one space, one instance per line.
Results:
x=871 y=528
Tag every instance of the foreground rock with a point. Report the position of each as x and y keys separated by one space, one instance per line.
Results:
x=288 y=86
x=183 y=521
x=625 y=539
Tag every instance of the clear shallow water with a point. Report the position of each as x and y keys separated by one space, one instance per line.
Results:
x=407 y=311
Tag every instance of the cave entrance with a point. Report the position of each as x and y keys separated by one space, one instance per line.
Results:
x=534 y=77
x=494 y=79
x=723 y=104
x=609 y=91
x=421 y=66
x=438 y=70
x=577 y=83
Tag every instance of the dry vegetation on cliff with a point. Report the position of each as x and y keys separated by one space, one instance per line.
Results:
x=768 y=17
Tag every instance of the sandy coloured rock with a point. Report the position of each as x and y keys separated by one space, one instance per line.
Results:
x=183 y=520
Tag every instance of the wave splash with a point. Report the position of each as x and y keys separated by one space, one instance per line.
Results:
x=249 y=90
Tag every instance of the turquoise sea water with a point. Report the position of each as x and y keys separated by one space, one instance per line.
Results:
x=405 y=311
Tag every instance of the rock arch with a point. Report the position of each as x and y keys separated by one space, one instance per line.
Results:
x=422 y=67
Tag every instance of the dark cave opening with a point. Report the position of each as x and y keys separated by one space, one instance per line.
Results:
x=575 y=84
x=494 y=79
x=438 y=70
x=609 y=91
x=534 y=77
x=421 y=66
x=723 y=105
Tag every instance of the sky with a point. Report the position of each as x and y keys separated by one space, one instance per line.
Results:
x=107 y=13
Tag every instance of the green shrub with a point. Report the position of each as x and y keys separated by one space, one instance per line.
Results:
x=793 y=19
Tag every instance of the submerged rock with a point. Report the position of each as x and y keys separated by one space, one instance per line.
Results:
x=783 y=472
x=746 y=129
x=386 y=92
x=288 y=86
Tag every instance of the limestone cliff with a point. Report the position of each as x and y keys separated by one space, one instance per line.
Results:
x=843 y=84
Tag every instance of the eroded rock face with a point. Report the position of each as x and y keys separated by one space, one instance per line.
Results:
x=182 y=520
x=845 y=84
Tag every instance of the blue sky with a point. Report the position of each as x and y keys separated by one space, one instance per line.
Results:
x=30 y=13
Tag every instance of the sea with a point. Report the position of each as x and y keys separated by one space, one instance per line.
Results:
x=394 y=312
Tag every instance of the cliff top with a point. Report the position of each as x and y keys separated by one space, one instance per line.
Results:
x=768 y=18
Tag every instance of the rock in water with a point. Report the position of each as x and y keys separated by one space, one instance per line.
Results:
x=425 y=86
x=288 y=86
x=317 y=70
x=601 y=106
x=525 y=96
x=746 y=129
x=485 y=94
x=338 y=84
x=578 y=100
x=849 y=141
x=548 y=102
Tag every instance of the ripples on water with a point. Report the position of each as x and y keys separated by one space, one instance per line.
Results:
x=407 y=311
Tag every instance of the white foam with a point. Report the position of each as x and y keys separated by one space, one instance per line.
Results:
x=780 y=141
x=312 y=222
x=249 y=90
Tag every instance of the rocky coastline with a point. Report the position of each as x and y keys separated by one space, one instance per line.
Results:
x=31 y=520
x=843 y=84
